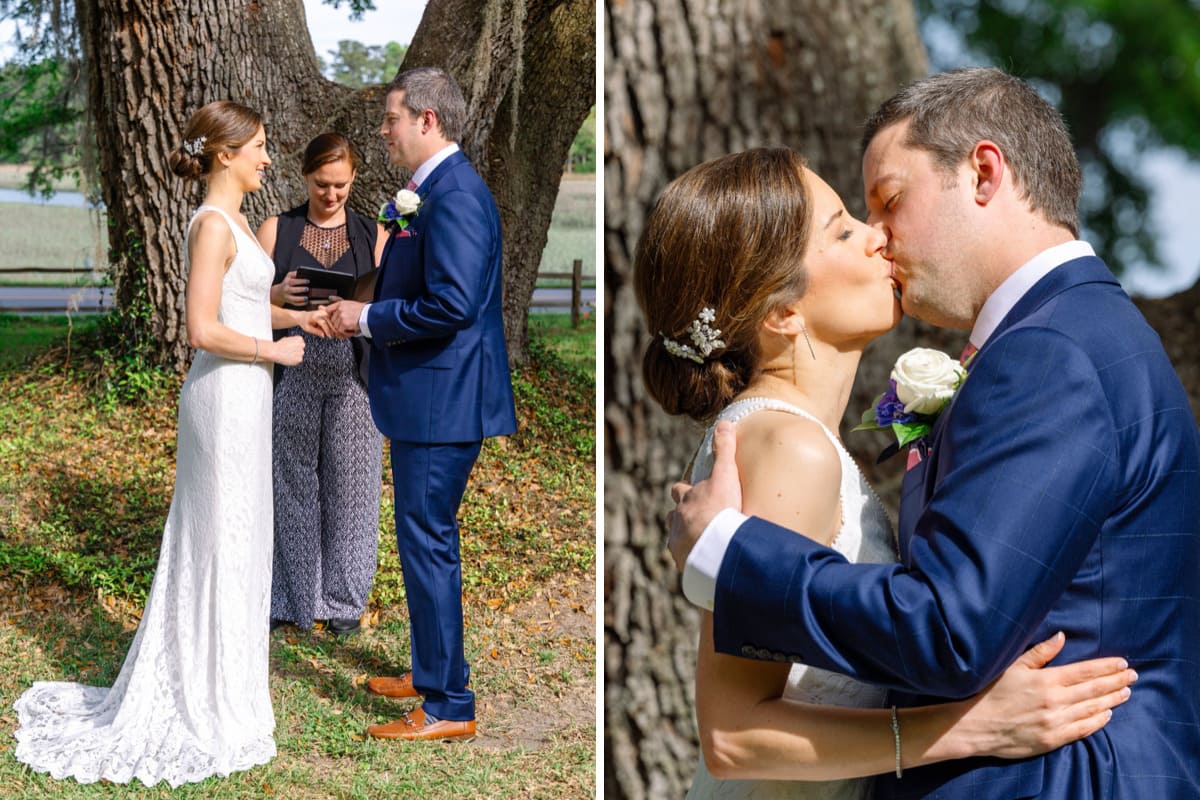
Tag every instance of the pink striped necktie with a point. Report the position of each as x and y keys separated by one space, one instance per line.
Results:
x=968 y=353
x=411 y=186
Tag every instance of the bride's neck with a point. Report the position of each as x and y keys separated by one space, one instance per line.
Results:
x=223 y=194
x=820 y=385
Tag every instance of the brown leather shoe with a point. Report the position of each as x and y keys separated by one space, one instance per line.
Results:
x=414 y=726
x=401 y=687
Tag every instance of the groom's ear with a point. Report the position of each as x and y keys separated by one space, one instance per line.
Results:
x=988 y=166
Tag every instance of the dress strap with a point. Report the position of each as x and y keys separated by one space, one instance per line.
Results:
x=738 y=410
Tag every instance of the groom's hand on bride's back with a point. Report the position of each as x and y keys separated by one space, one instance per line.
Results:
x=695 y=506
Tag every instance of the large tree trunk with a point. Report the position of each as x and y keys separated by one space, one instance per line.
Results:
x=151 y=64
x=687 y=81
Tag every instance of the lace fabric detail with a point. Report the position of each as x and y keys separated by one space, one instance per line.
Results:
x=192 y=698
x=865 y=536
x=326 y=245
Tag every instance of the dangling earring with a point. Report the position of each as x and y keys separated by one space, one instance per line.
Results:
x=808 y=342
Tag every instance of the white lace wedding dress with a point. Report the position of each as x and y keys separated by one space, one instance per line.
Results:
x=192 y=698
x=865 y=536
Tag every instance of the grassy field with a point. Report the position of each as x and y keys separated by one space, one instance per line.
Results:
x=47 y=236
x=572 y=231
x=84 y=489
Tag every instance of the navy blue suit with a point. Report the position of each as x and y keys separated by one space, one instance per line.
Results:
x=1061 y=492
x=439 y=384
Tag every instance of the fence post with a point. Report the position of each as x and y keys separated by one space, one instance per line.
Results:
x=576 y=291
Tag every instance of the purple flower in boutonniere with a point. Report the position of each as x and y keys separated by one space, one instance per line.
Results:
x=398 y=209
x=921 y=385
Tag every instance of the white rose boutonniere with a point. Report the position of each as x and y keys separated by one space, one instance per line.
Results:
x=398 y=209
x=921 y=385
x=926 y=380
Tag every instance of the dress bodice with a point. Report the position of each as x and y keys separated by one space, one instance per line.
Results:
x=865 y=536
x=246 y=284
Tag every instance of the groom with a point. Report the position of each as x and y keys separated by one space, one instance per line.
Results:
x=1058 y=492
x=439 y=384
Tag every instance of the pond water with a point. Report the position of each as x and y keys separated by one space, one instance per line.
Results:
x=73 y=199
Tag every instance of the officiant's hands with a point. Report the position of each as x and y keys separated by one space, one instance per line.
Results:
x=292 y=290
x=695 y=506
x=344 y=315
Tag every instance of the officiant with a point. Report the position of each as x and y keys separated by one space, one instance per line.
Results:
x=327 y=452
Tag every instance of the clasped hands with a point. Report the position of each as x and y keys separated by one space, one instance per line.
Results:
x=695 y=506
x=333 y=317
x=337 y=319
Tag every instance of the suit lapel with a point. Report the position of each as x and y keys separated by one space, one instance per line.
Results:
x=424 y=191
x=1076 y=272
x=1088 y=269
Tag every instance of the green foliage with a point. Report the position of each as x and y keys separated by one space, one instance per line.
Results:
x=128 y=370
x=583 y=149
x=357 y=7
x=356 y=64
x=42 y=92
x=1125 y=75
x=42 y=119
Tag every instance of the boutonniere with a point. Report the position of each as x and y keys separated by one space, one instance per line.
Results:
x=398 y=209
x=921 y=385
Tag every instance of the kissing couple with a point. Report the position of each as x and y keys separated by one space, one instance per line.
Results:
x=1050 y=514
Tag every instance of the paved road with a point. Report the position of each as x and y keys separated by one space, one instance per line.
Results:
x=92 y=299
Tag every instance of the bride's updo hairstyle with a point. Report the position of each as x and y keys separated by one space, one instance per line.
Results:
x=220 y=127
x=727 y=236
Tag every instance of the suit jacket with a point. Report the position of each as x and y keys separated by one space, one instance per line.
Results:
x=439 y=365
x=1061 y=492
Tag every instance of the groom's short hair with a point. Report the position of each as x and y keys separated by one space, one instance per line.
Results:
x=433 y=88
x=949 y=113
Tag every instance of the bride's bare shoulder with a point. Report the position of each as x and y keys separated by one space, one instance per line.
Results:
x=791 y=473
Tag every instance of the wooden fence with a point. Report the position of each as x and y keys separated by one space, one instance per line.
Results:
x=577 y=287
x=100 y=298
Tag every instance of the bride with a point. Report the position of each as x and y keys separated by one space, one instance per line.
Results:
x=192 y=700
x=761 y=291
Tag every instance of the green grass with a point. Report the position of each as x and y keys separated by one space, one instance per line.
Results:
x=21 y=337
x=575 y=346
x=84 y=489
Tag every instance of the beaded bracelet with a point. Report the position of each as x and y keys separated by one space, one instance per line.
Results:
x=896 y=736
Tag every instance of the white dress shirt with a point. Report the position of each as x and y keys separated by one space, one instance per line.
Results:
x=704 y=562
x=429 y=165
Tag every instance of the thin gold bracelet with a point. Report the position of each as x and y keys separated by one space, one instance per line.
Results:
x=896 y=736
x=255 y=360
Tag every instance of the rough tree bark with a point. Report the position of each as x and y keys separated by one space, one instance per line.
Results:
x=521 y=62
x=686 y=81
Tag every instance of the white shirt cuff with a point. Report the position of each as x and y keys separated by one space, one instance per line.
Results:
x=362 y=321
x=704 y=562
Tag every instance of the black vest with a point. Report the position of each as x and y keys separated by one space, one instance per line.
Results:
x=360 y=232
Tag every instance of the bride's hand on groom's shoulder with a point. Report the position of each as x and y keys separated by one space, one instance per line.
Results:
x=1033 y=709
x=695 y=506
